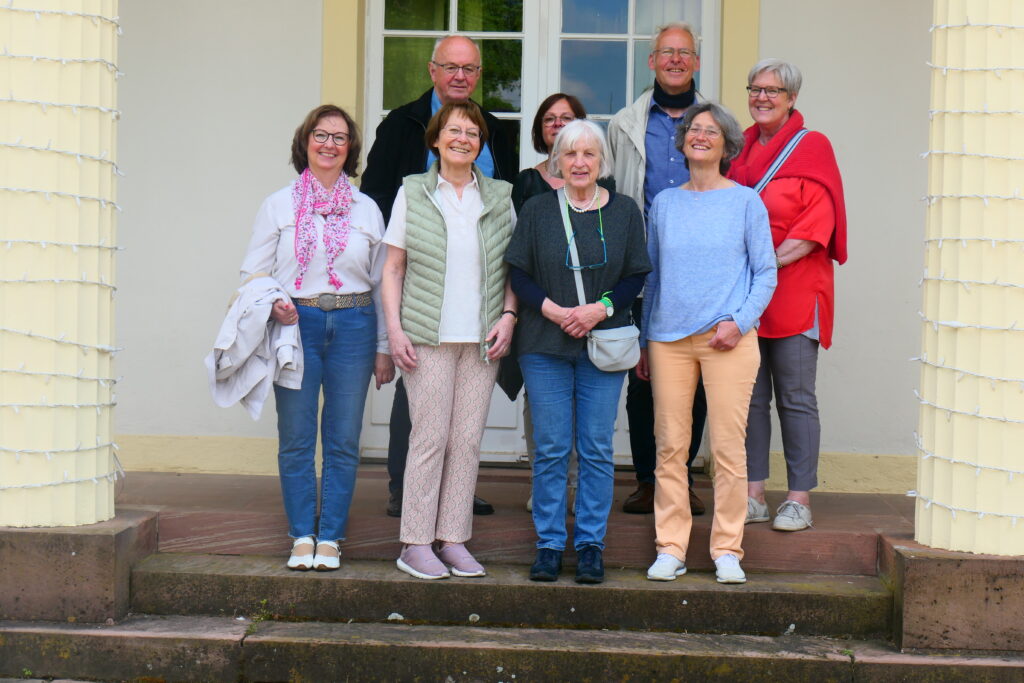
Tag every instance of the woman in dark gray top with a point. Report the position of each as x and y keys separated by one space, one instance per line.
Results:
x=570 y=397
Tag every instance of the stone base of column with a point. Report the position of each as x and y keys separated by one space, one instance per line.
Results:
x=945 y=600
x=74 y=574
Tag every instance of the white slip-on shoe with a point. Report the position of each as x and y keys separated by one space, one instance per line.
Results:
x=727 y=569
x=666 y=568
x=792 y=516
x=756 y=511
x=328 y=557
x=302 y=554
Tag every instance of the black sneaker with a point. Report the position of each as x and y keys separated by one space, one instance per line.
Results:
x=590 y=565
x=547 y=565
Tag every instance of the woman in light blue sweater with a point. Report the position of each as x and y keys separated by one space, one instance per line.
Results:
x=714 y=273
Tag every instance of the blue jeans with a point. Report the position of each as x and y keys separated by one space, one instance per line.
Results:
x=556 y=387
x=338 y=351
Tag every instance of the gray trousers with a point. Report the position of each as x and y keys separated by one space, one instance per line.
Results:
x=789 y=366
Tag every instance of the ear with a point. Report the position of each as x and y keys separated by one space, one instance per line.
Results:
x=651 y=61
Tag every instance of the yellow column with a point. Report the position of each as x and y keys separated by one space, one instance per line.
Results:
x=971 y=425
x=58 y=99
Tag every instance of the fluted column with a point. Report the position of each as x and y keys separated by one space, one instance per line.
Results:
x=58 y=99
x=970 y=494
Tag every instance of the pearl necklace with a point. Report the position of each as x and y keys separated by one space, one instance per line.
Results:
x=590 y=204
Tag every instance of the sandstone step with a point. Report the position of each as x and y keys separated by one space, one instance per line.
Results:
x=368 y=591
x=180 y=648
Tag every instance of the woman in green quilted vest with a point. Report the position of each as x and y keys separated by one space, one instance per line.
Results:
x=450 y=314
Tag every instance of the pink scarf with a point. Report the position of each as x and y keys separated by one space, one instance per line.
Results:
x=310 y=197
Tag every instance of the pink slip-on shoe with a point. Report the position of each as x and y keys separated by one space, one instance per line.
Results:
x=459 y=560
x=421 y=562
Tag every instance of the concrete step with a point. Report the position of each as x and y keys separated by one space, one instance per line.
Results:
x=181 y=648
x=372 y=591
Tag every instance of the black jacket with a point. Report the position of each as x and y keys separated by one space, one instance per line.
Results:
x=399 y=150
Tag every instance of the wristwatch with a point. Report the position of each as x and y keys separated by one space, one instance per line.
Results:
x=609 y=307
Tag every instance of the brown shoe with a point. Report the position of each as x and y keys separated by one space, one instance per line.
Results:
x=696 y=506
x=641 y=501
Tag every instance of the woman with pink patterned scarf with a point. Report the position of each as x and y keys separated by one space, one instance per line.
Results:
x=322 y=240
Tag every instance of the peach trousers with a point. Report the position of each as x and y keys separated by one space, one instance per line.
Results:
x=449 y=396
x=728 y=382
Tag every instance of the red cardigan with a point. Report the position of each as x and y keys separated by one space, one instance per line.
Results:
x=804 y=201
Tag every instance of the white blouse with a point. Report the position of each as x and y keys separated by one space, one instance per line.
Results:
x=272 y=250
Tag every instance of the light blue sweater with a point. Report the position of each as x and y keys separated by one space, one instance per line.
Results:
x=713 y=260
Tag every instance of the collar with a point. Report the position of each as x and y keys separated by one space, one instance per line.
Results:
x=435 y=101
x=472 y=183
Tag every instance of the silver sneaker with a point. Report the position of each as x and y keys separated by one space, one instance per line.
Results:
x=727 y=569
x=666 y=568
x=756 y=511
x=792 y=516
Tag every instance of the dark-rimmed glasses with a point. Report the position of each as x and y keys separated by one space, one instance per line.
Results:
x=770 y=92
x=322 y=136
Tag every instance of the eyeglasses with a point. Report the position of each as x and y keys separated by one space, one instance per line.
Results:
x=564 y=119
x=340 y=139
x=709 y=133
x=451 y=69
x=604 y=248
x=772 y=93
x=456 y=132
x=668 y=52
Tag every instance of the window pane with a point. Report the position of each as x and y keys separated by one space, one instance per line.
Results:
x=405 y=69
x=651 y=14
x=490 y=15
x=423 y=15
x=594 y=16
x=500 y=83
x=592 y=70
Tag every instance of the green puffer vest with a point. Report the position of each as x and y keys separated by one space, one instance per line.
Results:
x=426 y=248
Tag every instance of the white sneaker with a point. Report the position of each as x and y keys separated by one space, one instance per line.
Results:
x=302 y=554
x=792 y=516
x=666 y=568
x=756 y=511
x=529 y=503
x=727 y=568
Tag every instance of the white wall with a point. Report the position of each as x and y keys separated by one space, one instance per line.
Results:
x=211 y=95
x=866 y=86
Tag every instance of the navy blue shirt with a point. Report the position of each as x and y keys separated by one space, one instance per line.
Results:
x=665 y=164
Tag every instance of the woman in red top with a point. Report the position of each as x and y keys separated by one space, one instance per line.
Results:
x=808 y=219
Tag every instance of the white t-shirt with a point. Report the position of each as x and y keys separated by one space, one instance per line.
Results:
x=460 y=310
x=272 y=250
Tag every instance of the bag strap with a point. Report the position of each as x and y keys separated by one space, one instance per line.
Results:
x=780 y=159
x=563 y=202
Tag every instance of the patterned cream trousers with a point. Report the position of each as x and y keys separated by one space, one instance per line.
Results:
x=449 y=396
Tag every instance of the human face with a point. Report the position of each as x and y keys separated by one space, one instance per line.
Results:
x=555 y=119
x=326 y=159
x=459 y=86
x=674 y=73
x=581 y=165
x=704 y=141
x=769 y=114
x=458 y=149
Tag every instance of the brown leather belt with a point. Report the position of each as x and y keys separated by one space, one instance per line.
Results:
x=330 y=302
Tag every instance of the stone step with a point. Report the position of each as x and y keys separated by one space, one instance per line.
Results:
x=182 y=648
x=372 y=591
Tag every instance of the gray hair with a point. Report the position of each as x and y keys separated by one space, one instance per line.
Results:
x=676 y=26
x=731 y=132
x=437 y=44
x=572 y=133
x=787 y=73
